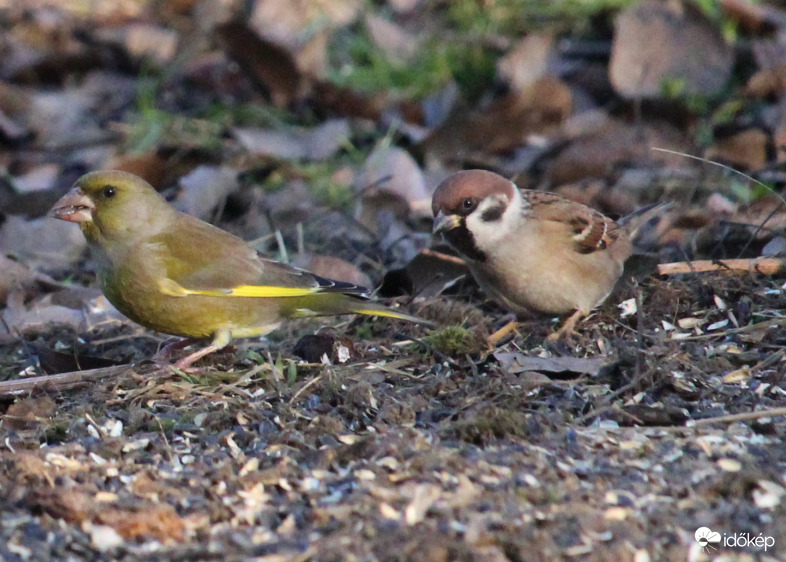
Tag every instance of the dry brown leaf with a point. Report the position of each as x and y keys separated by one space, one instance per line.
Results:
x=71 y=504
x=746 y=150
x=150 y=166
x=13 y=275
x=19 y=319
x=29 y=465
x=269 y=64
x=204 y=189
x=526 y=61
x=29 y=412
x=318 y=143
x=349 y=103
x=303 y=27
x=428 y=274
x=657 y=42
x=159 y=521
x=397 y=44
x=39 y=178
x=753 y=16
x=600 y=153
x=312 y=348
x=768 y=212
x=332 y=268
x=289 y=205
x=767 y=82
x=45 y=244
x=515 y=362
x=541 y=108
x=391 y=180
x=143 y=40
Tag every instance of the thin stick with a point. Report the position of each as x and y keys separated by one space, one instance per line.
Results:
x=766 y=266
x=443 y=256
x=282 y=248
x=60 y=381
x=303 y=388
x=771 y=413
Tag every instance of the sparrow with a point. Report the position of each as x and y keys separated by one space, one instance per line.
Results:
x=176 y=274
x=533 y=251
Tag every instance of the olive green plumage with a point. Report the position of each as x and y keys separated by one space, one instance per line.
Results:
x=176 y=274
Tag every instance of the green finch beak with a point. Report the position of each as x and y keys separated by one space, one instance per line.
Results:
x=74 y=206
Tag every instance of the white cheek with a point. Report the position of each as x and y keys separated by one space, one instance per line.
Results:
x=489 y=234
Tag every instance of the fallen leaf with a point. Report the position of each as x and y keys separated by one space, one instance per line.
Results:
x=745 y=150
x=508 y=121
x=269 y=64
x=21 y=320
x=397 y=44
x=29 y=412
x=40 y=178
x=313 y=347
x=428 y=274
x=515 y=362
x=691 y=54
x=316 y=144
x=159 y=521
x=391 y=180
x=204 y=189
x=13 y=275
x=143 y=40
x=303 y=27
x=332 y=268
x=526 y=62
x=600 y=153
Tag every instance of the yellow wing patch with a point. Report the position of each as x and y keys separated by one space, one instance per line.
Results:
x=173 y=289
x=263 y=291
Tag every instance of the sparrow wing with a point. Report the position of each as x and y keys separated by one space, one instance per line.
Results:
x=590 y=230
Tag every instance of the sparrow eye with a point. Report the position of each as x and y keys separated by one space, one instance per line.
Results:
x=468 y=205
x=108 y=191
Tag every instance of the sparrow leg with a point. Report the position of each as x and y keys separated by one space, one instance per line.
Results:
x=503 y=332
x=569 y=326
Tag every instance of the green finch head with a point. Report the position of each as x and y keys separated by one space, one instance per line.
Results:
x=113 y=205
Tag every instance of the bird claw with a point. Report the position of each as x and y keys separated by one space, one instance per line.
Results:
x=568 y=328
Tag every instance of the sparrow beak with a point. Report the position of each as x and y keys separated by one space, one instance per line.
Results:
x=74 y=206
x=443 y=222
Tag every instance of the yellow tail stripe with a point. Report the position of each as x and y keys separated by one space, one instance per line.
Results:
x=392 y=314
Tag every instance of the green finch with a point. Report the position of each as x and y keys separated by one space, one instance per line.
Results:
x=174 y=273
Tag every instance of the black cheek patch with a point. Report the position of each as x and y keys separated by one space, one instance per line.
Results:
x=464 y=243
x=493 y=213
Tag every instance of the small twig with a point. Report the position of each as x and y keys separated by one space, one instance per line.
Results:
x=282 y=247
x=60 y=381
x=443 y=256
x=774 y=322
x=639 y=332
x=772 y=412
x=766 y=266
x=301 y=245
x=303 y=388
x=166 y=441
